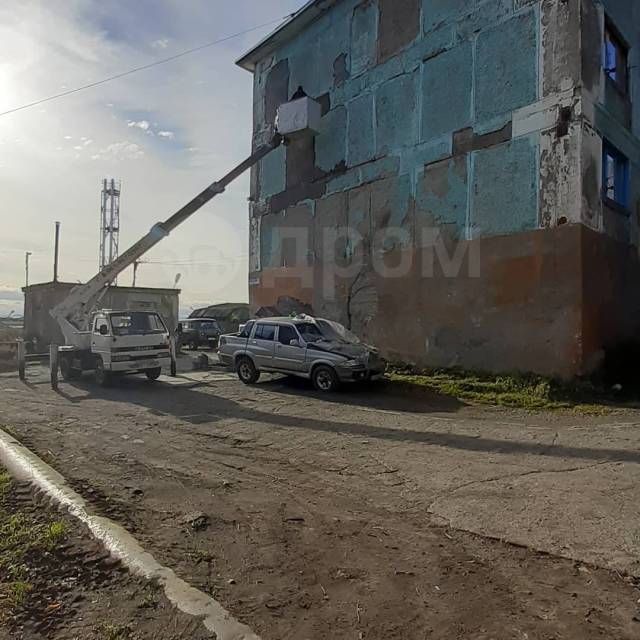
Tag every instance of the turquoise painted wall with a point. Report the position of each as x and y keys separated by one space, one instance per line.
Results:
x=470 y=65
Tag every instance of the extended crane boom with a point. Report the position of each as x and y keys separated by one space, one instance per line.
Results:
x=74 y=312
x=111 y=342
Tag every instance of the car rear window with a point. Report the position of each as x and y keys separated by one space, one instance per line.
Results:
x=246 y=331
x=265 y=332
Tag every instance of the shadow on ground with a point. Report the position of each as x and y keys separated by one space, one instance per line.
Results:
x=191 y=404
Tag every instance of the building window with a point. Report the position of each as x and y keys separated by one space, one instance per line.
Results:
x=615 y=176
x=616 y=59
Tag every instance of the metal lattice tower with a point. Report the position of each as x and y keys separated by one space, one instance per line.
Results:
x=109 y=221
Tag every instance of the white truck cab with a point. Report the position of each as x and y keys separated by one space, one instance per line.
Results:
x=121 y=342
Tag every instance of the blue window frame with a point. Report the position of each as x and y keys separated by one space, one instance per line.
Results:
x=615 y=176
x=616 y=58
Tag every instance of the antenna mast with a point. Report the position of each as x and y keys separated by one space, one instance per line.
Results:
x=109 y=221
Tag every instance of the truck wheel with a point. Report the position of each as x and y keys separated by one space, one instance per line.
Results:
x=103 y=378
x=324 y=378
x=153 y=374
x=247 y=371
x=67 y=371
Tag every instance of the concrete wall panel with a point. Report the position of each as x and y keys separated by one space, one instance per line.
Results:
x=399 y=25
x=396 y=113
x=437 y=12
x=442 y=199
x=363 y=37
x=273 y=178
x=361 y=145
x=506 y=67
x=447 y=87
x=505 y=185
x=331 y=143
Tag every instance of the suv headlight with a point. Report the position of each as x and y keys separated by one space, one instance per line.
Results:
x=351 y=363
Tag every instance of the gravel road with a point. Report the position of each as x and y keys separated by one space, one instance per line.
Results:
x=362 y=515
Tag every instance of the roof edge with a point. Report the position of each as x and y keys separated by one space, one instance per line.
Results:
x=298 y=21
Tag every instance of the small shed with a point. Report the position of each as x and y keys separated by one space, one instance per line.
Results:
x=41 y=329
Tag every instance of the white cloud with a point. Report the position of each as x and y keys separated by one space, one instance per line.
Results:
x=145 y=125
x=166 y=134
x=48 y=44
x=123 y=150
x=162 y=43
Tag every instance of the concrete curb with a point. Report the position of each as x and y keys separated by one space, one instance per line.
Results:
x=25 y=465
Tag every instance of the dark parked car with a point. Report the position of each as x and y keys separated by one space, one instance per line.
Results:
x=199 y=332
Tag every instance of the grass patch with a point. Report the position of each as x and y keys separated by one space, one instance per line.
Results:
x=531 y=392
x=5 y=482
x=22 y=537
x=10 y=430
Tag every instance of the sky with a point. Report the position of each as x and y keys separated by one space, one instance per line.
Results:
x=166 y=132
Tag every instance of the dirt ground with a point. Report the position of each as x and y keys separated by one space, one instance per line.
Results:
x=75 y=591
x=362 y=515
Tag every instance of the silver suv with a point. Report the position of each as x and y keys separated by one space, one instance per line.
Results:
x=313 y=348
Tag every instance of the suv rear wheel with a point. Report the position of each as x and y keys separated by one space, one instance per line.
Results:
x=324 y=378
x=247 y=371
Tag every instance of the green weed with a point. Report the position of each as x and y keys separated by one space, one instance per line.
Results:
x=521 y=391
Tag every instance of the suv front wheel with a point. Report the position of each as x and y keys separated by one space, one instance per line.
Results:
x=247 y=371
x=324 y=378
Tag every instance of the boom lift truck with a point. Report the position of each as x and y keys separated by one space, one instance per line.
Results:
x=117 y=342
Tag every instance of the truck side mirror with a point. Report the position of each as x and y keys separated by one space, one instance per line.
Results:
x=294 y=343
x=104 y=330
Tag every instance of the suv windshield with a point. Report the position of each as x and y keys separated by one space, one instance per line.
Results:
x=310 y=332
x=136 y=323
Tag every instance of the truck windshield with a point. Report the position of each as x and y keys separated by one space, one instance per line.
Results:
x=136 y=323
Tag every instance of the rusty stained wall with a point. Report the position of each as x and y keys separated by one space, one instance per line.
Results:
x=451 y=117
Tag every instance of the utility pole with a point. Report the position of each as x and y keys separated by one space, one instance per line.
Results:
x=26 y=267
x=55 y=253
